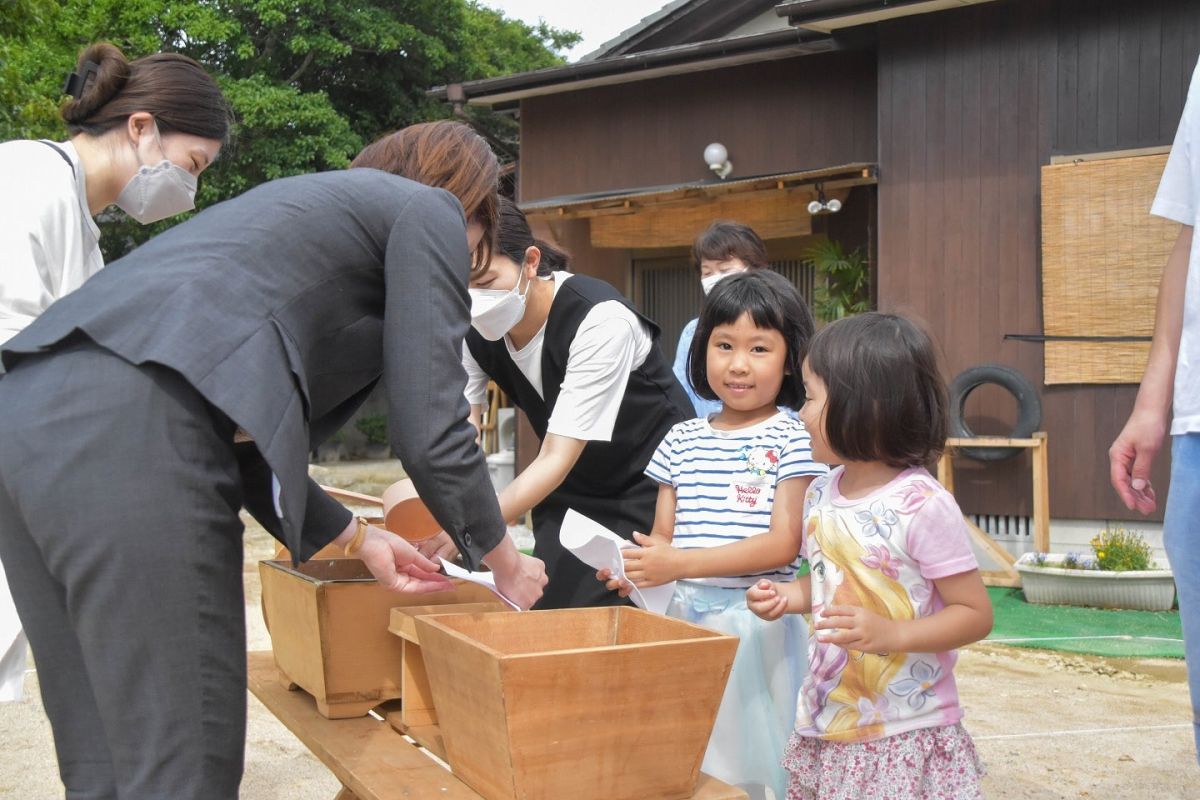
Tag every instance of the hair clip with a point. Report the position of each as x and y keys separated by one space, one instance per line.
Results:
x=76 y=82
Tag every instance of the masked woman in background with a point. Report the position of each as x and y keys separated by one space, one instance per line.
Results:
x=588 y=371
x=141 y=132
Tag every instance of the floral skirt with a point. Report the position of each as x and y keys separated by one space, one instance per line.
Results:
x=925 y=764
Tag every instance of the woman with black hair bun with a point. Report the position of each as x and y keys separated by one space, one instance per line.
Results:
x=140 y=133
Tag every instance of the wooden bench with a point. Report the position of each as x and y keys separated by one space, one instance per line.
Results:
x=370 y=759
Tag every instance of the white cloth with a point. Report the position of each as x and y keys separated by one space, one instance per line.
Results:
x=725 y=483
x=12 y=646
x=610 y=343
x=1178 y=199
x=49 y=243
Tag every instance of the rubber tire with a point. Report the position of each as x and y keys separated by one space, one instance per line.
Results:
x=1029 y=407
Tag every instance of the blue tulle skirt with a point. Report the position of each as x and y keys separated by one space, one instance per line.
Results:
x=758 y=710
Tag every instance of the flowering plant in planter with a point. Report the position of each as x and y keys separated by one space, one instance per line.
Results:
x=1118 y=573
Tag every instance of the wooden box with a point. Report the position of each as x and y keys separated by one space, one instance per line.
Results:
x=612 y=703
x=328 y=620
x=418 y=710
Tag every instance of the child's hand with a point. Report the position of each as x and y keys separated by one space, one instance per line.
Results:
x=856 y=628
x=654 y=563
x=767 y=603
x=622 y=588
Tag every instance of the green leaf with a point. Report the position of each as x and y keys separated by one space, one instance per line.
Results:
x=311 y=81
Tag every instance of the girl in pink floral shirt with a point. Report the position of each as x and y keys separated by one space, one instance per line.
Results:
x=894 y=586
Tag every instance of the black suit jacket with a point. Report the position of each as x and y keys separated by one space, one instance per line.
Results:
x=283 y=307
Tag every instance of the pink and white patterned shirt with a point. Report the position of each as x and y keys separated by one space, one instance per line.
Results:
x=882 y=552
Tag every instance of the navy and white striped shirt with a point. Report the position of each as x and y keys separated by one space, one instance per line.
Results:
x=725 y=482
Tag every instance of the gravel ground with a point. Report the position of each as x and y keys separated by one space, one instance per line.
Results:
x=1047 y=725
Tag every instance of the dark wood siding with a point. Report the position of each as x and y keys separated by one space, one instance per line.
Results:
x=972 y=103
x=798 y=113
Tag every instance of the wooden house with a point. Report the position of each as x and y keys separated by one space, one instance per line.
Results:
x=954 y=132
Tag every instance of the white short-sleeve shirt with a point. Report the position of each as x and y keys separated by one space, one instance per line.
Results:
x=49 y=243
x=610 y=343
x=1178 y=198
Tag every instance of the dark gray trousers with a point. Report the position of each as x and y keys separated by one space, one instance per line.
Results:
x=119 y=531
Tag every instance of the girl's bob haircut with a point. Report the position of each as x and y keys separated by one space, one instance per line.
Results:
x=773 y=303
x=885 y=399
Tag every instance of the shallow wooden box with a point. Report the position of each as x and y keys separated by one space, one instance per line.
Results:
x=328 y=620
x=612 y=703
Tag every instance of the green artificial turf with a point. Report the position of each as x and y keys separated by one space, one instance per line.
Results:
x=1094 y=631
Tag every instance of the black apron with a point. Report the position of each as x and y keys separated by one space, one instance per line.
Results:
x=607 y=483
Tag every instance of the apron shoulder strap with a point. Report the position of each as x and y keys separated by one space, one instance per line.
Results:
x=61 y=153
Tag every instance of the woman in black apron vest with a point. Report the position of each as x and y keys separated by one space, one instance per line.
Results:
x=587 y=370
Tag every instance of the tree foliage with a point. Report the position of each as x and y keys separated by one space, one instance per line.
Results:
x=310 y=81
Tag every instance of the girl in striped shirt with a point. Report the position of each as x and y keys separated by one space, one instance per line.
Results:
x=730 y=503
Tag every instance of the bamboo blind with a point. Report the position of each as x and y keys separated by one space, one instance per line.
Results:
x=1102 y=256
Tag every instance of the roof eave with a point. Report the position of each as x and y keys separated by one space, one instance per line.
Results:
x=640 y=66
x=828 y=16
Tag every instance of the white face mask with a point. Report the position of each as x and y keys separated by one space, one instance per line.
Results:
x=159 y=191
x=709 y=281
x=494 y=312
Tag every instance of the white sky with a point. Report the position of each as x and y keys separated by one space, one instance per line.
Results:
x=597 y=20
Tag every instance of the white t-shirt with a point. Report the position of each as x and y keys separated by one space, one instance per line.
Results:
x=49 y=243
x=1178 y=198
x=610 y=343
x=725 y=483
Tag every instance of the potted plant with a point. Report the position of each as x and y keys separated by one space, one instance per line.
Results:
x=1118 y=573
x=842 y=280
x=374 y=428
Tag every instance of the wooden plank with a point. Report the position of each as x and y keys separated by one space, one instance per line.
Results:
x=773 y=215
x=990 y=441
x=366 y=755
x=1041 y=496
x=418 y=708
x=1128 y=57
x=403 y=618
x=427 y=736
x=945 y=471
x=1150 y=31
x=1108 y=34
x=1087 y=107
x=1105 y=155
x=352 y=497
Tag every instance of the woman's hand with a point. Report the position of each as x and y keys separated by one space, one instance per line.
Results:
x=519 y=577
x=766 y=601
x=440 y=545
x=654 y=563
x=398 y=566
x=856 y=628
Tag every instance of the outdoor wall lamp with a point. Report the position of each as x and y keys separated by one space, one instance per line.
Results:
x=819 y=205
x=717 y=158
